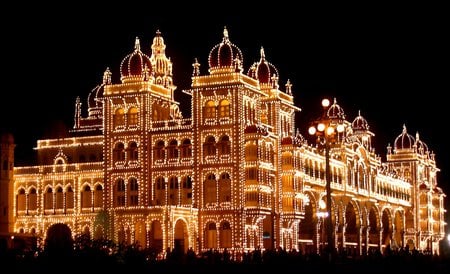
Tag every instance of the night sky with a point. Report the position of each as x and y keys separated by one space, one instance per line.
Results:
x=391 y=63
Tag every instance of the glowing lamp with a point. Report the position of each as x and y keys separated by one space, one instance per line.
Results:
x=312 y=130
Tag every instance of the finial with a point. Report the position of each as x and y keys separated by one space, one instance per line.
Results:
x=359 y=112
x=158 y=33
x=263 y=56
x=417 y=136
x=107 y=76
x=137 y=44
x=288 y=87
x=225 y=33
x=196 y=66
x=335 y=101
x=404 y=129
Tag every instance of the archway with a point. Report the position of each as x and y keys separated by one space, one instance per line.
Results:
x=156 y=236
x=139 y=234
x=307 y=229
x=59 y=241
x=351 y=229
x=181 y=239
x=386 y=225
x=399 y=230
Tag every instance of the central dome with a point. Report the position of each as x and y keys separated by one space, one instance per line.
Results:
x=225 y=55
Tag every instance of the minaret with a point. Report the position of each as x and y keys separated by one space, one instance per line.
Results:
x=6 y=182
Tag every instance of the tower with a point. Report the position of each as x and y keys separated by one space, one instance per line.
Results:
x=6 y=182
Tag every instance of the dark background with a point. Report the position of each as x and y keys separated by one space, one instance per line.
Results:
x=389 y=62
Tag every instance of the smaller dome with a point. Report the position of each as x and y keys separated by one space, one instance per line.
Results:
x=95 y=97
x=422 y=148
x=225 y=55
x=264 y=72
x=360 y=124
x=335 y=111
x=423 y=186
x=136 y=66
x=404 y=140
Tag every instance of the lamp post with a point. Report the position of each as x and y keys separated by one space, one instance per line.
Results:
x=327 y=131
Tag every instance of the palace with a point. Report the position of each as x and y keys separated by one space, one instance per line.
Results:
x=235 y=175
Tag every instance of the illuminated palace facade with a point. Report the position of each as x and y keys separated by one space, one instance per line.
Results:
x=236 y=175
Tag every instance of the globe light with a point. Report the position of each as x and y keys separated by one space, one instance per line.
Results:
x=325 y=103
x=330 y=130
x=312 y=130
x=321 y=127
x=340 y=128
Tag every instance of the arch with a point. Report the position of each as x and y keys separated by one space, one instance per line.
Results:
x=224 y=145
x=209 y=109
x=172 y=149
x=119 y=117
x=173 y=190
x=98 y=195
x=159 y=150
x=224 y=108
x=48 y=198
x=133 y=192
x=181 y=237
x=374 y=225
x=21 y=199
x=59 y=241
x=210 y=189
x=225 y=235
x=86 y=197
x=160 y=191
x=224 y=188
x=32 y=198
x=70 y=197
x=251 y=151
x=59 y=196
x=399 y=229
x=156 y=236
x=133 y=116
x=307 y=226
x=186 y=148
x=186 y=191
x=352 y=223
x=211 y=235
x=209 y=147
x=119 y=152
x=119 y=192
x=124 y=234
x=386 y=225
x=133 y=153
x=140 y=234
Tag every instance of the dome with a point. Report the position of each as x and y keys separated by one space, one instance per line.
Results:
x=335 y=111
x=360 y=123
x=95 y=97
x=264 y=72
x=225 y=55
x=136 y=66
x=423 y=186
x=422 y=148
x=404 y=140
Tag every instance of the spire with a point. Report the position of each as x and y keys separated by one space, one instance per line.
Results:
x=107 y=76
x=417 y=136
x=359 y=112
x=288 y=87
x=404 y=129
x=225 y=34
x=263 y=55
x=137 y=44
x=196 y=66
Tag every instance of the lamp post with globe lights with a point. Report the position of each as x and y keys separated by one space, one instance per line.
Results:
x=327 y=131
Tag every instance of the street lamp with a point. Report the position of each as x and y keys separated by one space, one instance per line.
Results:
x=327 y=130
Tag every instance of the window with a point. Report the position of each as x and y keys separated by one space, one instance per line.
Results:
x=98 y=196
x=209 y=147
x=133 y=116
x=119 y=152
x=224 y=108
x=118 y=119
x=133 y=151
x=224 y=145
x=173 y=190
x=158 y=150
x=160 y=193
x=210 y=189
x=48 y=198
x=59 y=198
x=120 y=192
x=21 y=200
x=186 y=149
x=172 y=149
x=69 y=198
x=224 y=188
x=210 y=109
x=86 y=197
x=133 y=192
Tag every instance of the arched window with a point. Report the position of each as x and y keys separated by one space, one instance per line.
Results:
x=158 y=150
x=210 y=109
x=133 y=151
x=186 y=195
x=69 y=198
x=59 y=198
x=224 y=188
x=251 y=152
x=133 y=116
x=211 y=236
x=32 y=199
x=225 y=235
x=173 y=190
x=133 y=192
x=119 y=119
x=224 y=108
x=48 y=198
x=160 y=191
x=209 y=147
x=98 y=196
x=21 y=200
x=224 y=145
x=86 y=197
x=119 y=152
x=120 y=192
x=186 y=149
x=172 y=149
x=210 y=189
